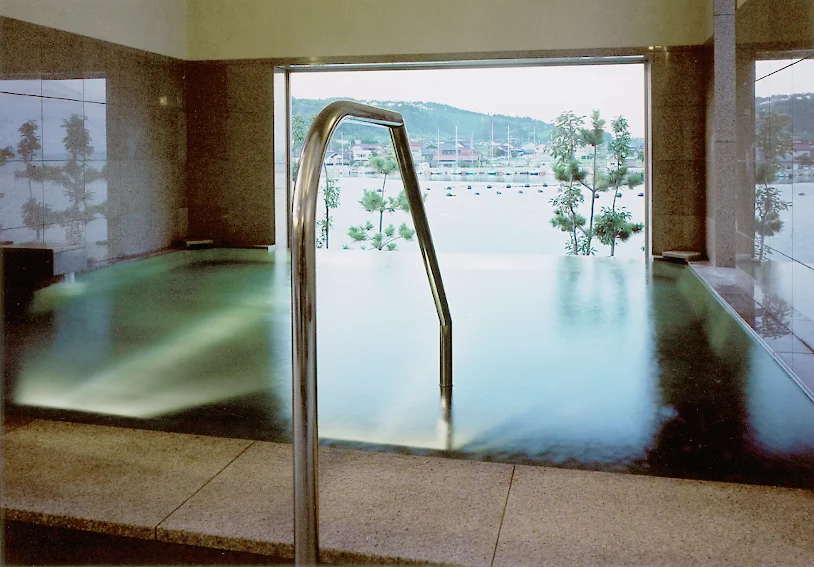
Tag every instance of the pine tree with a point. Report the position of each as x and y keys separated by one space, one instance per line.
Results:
x=614 y=225
x=374 y=202
x=593 y=137
x=385 y=166
x=330 y=193
x=75 y=176
x=35 y=213
x=773 y=141
x=330 y=196
x=565 y=140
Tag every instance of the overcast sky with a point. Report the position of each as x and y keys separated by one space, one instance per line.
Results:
x=537 y=92
x=784 y=77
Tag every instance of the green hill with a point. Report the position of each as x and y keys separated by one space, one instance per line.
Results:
x=426 y=121
x=799 y=106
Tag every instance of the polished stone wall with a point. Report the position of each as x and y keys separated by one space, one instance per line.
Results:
x=679 y=79
x=185 y=149
x=231 y=152
x=720 y=139
x=103 y=158
x=775 y=255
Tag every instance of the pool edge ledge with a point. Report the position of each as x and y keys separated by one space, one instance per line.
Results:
x=701 y=271
x=384 y=508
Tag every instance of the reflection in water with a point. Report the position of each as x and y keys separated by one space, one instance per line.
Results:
x=775 y=317
x=445 y=433
x=704 y=387
x=587 y=363
x=708 y=381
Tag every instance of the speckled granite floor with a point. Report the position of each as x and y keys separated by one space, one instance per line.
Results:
x=382 y=508
x=786 y=333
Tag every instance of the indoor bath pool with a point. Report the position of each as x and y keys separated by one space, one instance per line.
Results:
x=593 y=363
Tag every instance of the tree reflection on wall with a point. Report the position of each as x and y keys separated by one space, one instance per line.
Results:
x=74 y=176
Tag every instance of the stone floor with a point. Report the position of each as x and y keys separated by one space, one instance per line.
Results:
x=789 y=338
x=381 y=508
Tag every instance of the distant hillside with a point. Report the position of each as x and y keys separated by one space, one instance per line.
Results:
x=799 y=106
x=426 y=121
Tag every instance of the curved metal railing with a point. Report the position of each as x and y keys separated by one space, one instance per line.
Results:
x=303 y=301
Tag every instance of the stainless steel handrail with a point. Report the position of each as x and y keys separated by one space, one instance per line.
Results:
x=303 y=301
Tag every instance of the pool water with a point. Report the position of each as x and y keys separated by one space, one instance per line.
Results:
x=593 y=363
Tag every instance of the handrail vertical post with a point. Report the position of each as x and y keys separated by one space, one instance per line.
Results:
x=401 y=144
x=304 y=427
x=304 y=348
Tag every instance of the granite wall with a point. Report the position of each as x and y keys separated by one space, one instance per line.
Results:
x=775 y=212
x=185 y=149
x=230 y=133
x=94 y=140
x=678 y=83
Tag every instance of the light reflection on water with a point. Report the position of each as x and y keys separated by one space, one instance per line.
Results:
x=595 y=363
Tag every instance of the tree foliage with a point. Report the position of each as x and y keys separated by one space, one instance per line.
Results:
x=330 y=195
x=614 y=225
x=383 y=239
x=383 y=165
x=593 y=137
x=772 y=136
x=768 y=206
x=29 y=143
x=74 y=176
x=6 y=154
x=772 y=141
x=565 y=140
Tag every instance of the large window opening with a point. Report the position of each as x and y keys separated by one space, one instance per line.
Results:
x=517 y=160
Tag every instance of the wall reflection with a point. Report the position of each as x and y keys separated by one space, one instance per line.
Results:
x=92 y=145
x=52 y=173
x=775 y=205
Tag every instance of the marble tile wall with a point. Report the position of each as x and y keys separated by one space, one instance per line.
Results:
x=230 y=134
x=188 y=148
x=720 y=139
x=775 y=66
x=105 y=163
x=678 y=112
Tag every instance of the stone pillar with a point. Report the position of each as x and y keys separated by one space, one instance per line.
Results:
x=722 y=145
x=678 y=84
x=230 y=165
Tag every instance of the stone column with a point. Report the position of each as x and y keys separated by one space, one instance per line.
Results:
x=722 y=150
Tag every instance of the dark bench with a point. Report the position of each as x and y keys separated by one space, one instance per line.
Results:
x=29 y=266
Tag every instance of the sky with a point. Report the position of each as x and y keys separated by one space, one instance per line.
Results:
x=784 y=77
x=536 y=92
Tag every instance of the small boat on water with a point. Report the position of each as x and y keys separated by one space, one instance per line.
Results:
x=491 y=173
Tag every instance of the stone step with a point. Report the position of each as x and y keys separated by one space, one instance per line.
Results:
x=235 y=495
